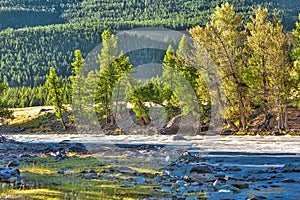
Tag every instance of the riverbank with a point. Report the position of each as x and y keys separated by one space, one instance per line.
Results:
x=122 y=167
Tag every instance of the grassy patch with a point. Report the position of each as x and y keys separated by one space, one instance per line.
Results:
x=43 y=180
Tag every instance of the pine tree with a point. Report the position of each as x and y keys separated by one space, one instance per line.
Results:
x=223 y=40
x=112 y=68
x=78 y=87
x=296 y=56
x=5 y=113
x=56 y=95
x=270 y=66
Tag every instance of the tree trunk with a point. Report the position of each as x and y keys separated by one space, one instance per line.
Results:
x=143 y=121
x=63 y=123
x=286 y=123
x=232 y=125
x=242 y=122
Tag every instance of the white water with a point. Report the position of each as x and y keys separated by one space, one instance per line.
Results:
x=250 y=144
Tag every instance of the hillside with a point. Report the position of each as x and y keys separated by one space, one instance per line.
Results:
x=19 y=13
x=50 y=31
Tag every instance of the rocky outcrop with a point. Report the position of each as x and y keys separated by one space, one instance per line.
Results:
x=10 y=175
x=179 y=123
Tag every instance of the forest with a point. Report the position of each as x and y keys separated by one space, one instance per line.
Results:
x=246 y=60
x=39 y=34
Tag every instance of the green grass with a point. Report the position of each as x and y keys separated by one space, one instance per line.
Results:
x=43 y=181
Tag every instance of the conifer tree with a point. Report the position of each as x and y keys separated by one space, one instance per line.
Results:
x=296 y=56
x=78 y=87
x=5 y=113
x=56 y=95
x=112 y=68
x=270 y=66
x=223 y=40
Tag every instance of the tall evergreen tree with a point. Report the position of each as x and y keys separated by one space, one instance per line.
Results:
x=223 y=39
x=56 y=95
x=5 y=113
x=112 y=68
x=270 y=65
x=296 y=55
x=78 y=87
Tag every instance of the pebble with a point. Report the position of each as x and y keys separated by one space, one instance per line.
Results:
x=140 y=180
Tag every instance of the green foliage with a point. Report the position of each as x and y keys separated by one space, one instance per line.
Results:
x=50 y=31
x=19 y=13
x=223 y=39
x=56 y=92
x=78 y=86
x=271 y=64
x=26 y=53
x=296 y=57
x=112 y=68
x=26 y=97
x=152 y=92
x=4 y=112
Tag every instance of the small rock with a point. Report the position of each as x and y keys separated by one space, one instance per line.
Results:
x=257 y=198
x=61 y=171
x=178 y=138
x=256 y=172
x=192 y=198
x=84 y=171
x=234 y=169
x=239 y=184
x=191 y=189
x=219 y=182
x=180 y=183
x=291 y=168
x=182 y=190
x=140 y=180
x=288 y=180
x=127 y=185
x=229 y=189
x=179 y=197
x=166 y=189
x=202 y=169
x=202 y=177
x=13 y=163
x=187 y=157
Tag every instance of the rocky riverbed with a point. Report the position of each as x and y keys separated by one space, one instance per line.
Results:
x=218 y=167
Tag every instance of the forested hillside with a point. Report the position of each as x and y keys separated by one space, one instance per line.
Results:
x=28 y=52
x=176 y=14
x=20 y=13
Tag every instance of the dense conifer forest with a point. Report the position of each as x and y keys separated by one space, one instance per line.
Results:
x=39 y=34
x=44 y=34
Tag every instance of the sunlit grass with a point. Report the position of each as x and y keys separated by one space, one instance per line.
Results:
x=44 y=182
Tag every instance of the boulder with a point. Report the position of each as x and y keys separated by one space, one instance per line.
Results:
x=10 y=175
x=13 y=163
x=290 y=168
x=178 y=138
x=202 y=177
x=239 y=184
x=201 y=169
x=171 y=127
x=187 y=157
